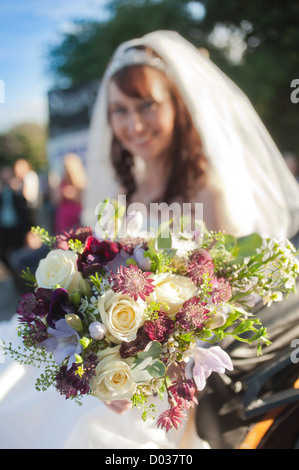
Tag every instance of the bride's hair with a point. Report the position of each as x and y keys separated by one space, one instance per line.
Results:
x=188 y=162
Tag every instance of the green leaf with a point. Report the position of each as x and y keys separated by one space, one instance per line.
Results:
x=164 y=241
x=85 y=342
x=130 y=261
x=156 y=369
x=248 y=245
x=230 y=242
x=143 y=358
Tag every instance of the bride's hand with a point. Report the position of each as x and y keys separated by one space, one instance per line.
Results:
x=119 y=406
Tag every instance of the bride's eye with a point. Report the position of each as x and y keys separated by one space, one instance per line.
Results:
x=119 y=110
x=149 y=105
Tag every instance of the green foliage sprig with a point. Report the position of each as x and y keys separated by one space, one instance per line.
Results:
x=44 y=236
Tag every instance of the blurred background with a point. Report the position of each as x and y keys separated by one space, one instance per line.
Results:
x=52 y=56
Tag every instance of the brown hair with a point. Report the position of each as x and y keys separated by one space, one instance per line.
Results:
x=188 y=162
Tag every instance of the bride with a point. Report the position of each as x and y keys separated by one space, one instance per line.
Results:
x=167 y=126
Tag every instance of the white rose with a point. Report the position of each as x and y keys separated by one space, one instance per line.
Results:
x=121 y=315
x=113 y=379
x=59 y=268
x=172 y=289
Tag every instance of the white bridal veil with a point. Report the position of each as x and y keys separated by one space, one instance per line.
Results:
x=260 y=192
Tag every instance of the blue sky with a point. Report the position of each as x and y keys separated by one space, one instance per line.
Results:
x=27 y=29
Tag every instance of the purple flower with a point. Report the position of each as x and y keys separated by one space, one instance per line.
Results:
x=63 y=342
x=34 y=305
x=207 y=361
x=59 y=306
x=96 y=255
x=37 y=332
x=70 y=383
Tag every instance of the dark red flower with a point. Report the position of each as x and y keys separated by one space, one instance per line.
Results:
x=200 y=263
x=96 y=255
x=128 y=349
x=183 y=393
x=192 y=314
x=159 y=329
x=186 y=389
x=80 y=233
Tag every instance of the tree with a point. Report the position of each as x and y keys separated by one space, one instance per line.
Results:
x=26 y=141
x=84 y=55
x=270 y=34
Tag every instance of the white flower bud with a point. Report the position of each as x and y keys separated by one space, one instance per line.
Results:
x=97 y=330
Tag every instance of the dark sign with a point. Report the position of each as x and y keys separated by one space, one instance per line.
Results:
x=70 y=109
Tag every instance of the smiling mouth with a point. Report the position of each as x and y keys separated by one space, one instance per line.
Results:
x=141 y=140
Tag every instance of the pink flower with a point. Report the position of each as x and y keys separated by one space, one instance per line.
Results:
x=132 y=281
x=221 y=290
x=200 y=263
x=171 y=418
x=207 y=361
x=193 y=313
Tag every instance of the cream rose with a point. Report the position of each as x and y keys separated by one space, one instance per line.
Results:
x=121 y=315
x=59 y=267
x=172 y=289
x=113 y=378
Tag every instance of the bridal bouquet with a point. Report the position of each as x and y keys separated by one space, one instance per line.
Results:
x=120 y=318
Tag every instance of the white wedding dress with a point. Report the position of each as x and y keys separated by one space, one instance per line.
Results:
x=30 y=419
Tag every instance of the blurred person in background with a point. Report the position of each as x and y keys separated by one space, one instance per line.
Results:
x=68 y=200
x=15 y=217
x=28 y=182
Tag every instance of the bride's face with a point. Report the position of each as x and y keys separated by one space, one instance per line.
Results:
x=143 y=125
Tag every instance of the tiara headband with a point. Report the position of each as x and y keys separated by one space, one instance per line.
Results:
x=133 y=56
